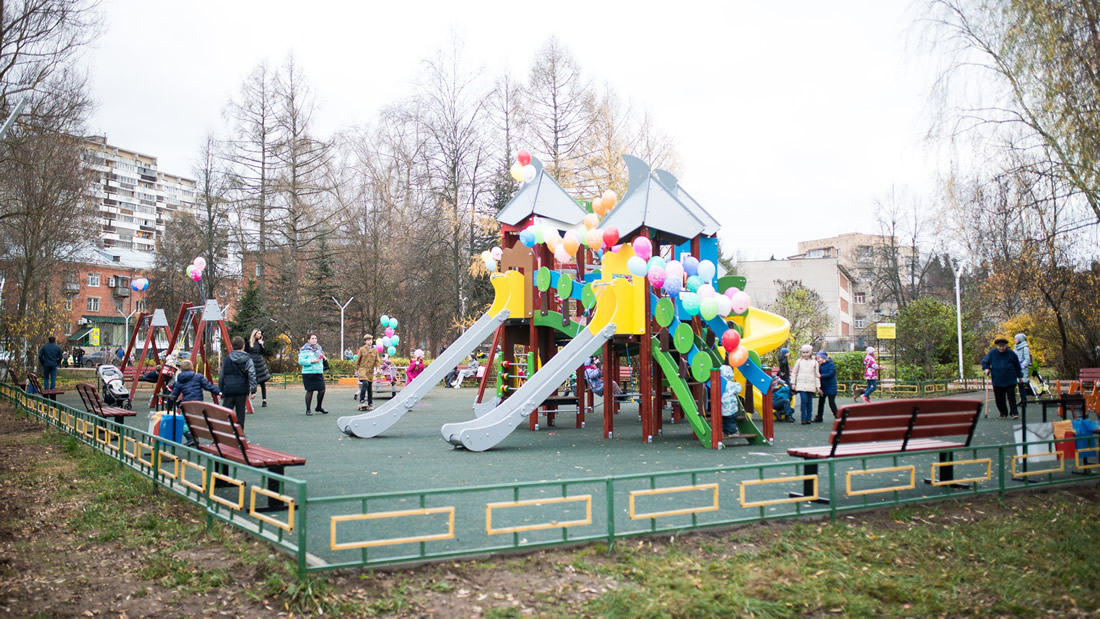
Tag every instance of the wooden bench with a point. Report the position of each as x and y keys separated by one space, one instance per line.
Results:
x=895 y=426
x=216 y=432
x=94 y=405
x=35 y=384
x=1092 y=396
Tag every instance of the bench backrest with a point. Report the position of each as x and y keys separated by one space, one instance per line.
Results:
x=90 y=397
x=904 y=420
x=216 y=424
x=32 y=378
x=1090 y=375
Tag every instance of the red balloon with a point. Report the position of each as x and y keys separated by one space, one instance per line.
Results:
x=731 y=340
x=610 y=236
x=523 y=157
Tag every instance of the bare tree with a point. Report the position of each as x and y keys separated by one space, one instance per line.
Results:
x=899 y=267
x=213 y=214
x=560 y=110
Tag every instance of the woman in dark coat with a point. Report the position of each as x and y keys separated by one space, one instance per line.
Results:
x=255 y=348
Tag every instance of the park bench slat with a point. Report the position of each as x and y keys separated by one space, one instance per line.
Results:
x=94 y=405
x=216 y=424
x=32 y=378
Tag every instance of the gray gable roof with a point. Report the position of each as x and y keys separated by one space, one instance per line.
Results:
x=650 y=203
x=711 y=225
x=543 y=197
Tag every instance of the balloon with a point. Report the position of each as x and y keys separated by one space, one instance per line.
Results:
x=591 y=220
x=707 y=270
x=724 y=304
x=706 y=291
x=731 y=339
x=571 y=242
x=672 y=285
x=395 y=340
x=199 y=262
x=540 y=234
x=609 y=199
x=708 y=308
x=190 y=269
x=643 y=248
x=393 y=323
x=561 y=255
x=690 y=301
x=636 y=266
x=740 y=302
x=196 y=275
x=691 y=264
x=497 y=253
x=730 y=292
x=553 y=238
x=656 y=262
x=594 y=239
x=391 y=351
x=516 y=171
x=739 y=356
x=485 y=255
x=385 y=320
x=135 y=284
x=523 y=157
x=380 y=348
x=389 y=331
x=656 y=277
x=527 y=237
x=610 y=236
x=694 y=283
x=529 y=173
x=598 y=207
x=386 y=341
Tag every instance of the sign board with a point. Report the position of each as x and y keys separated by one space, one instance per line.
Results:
x=93 y=337
x=886 y=331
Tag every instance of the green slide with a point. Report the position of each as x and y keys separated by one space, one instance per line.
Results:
x=683 y=394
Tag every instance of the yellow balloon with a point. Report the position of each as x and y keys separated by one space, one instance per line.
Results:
x=571 y=244
x=597 y=207
x=591 y=220
x=516 y=171
x=609 y=199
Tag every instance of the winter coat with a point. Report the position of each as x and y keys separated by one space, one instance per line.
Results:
x=781 y=395
x=785 y=368
x=1004 y=367
x=594 y=377
x=1023 y=351
x=731 y=405
x=50 y=356
x=387 y=370
x=366 y=362
x=870 y=368
x=416 y=366
x=263 y=374
x=238 y=374
x=309 y=357
x=804 y=376
x=189 y=386
x=828 y=377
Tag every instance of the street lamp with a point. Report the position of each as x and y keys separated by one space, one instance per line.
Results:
x=126 y=331
x=958 y=317
x=342 y=308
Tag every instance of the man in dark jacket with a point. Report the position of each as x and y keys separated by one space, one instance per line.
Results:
x=237 y=380
x=1002 y=366
x=49 y=357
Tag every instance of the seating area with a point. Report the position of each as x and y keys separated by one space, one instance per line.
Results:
x=94 y=405
x=36 y=386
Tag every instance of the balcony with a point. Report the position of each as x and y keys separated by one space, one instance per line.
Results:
x=70 y=288
x=122 y=291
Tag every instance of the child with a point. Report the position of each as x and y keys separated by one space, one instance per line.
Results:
x=806 y=381
x=731 y=404
x=471 y=370
x=387 y=370
x=870 y=373
x=781 y=401
x=416 y=366
x=189 y=385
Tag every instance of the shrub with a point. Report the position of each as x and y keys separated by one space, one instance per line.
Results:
x=849 y=365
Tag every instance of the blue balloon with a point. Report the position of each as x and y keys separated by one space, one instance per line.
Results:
x=527 y=237
x=393 y=323
x=385 y=320
x=395 y=340
x=656 y=262
x=391 y=351
x=673 y=286
x=691 y=264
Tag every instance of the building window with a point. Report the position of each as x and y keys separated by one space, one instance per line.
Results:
x=118 y=305
x=861 y=323
x=257 y=269
x=140 y=305
x=844 y=306
x=860 y=298
x=69 y=305
x=93 y=304
x=111 y=282
x=93 y=279
x=815 y=253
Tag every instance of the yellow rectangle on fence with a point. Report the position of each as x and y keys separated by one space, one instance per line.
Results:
x=489 y=507
x=912 y=470
x=988 y=462
x=1061 y=464
x=184 y=465
x=713 y=488
x=288 y=525
x=175 y=465
x=335 y=520
x=239 y=505
x=779 y=480
x=1084 y=467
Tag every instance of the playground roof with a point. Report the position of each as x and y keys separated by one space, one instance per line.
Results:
x=648 y=202
x=669 y=181
x=545 y=198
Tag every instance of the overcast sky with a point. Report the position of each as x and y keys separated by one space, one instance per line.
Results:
x=789 y=118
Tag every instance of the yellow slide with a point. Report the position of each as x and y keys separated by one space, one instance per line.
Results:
x=763 y=333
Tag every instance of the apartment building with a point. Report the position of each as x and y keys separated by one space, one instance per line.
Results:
x=824 y=275
x=133 y=196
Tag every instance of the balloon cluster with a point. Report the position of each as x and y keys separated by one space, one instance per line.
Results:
x=565 y=246
x=491 y=257
x=522 y=170
x=731 y=342
x=388 y=342
x=688 y=278
x=139 y=284
x=194 y=270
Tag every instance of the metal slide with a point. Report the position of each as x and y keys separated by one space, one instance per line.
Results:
x=486 y=431
x=375 y=422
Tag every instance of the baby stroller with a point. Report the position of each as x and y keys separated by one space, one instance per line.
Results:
x=113 y=386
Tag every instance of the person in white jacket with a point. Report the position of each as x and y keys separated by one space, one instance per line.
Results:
x=806 y=381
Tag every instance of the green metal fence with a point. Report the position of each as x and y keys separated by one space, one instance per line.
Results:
x=915 y=389
x=366 y=530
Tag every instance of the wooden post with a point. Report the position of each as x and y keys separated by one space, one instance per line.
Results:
x=716 y=432
x=608 y=391
x=488 y=363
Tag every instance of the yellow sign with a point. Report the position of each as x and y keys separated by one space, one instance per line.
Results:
x=886 y=331
x=93 y=337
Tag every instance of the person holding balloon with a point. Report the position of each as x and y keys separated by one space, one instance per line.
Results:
x=312 y=359
x=366 y=362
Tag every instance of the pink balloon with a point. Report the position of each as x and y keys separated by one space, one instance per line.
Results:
x=389 y=331
x=740 y=302
x=379 y=347
x=643 y=248
x=196 y=275
x=656 y=277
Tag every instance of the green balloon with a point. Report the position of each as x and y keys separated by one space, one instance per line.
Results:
x=708 y=308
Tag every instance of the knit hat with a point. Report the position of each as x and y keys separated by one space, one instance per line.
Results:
x=823 y=354
x=783 y=351
x=870 y=349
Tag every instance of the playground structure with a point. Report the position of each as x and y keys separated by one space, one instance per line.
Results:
x=596 y=305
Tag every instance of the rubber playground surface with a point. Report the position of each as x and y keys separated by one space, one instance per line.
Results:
x=412 y=455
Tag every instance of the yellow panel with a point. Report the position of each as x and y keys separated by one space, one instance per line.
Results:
x=912 y=470
x=101 y=431
x=184 y=464
x=398 y=540
x=489 y=507
x=288 y=525
x=630 y=296
x=239 y=505
x=117 y=441
x=1061 y=464
x=988 y=462
x=89 y=429
x=779 y=480
x=510 y=292
x=126 y=442
x=1084 y=467
x=141 y=448
x=676 y=512
x=175 y=465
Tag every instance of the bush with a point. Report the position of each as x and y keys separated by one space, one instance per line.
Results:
x=849 y=365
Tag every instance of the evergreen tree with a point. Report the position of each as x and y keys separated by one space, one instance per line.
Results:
x=251 y=314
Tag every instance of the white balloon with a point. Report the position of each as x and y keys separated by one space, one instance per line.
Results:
x=529 y=173
x=706 y=291
x=637 y=266
x=724 y=304
x=707 y=270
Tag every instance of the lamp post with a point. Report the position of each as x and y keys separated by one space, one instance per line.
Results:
x=126 y=331
x=958 y=317
x=342 y=308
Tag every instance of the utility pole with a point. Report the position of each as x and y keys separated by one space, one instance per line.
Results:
x=958 y=318
x=126 y=332
x=342 y=308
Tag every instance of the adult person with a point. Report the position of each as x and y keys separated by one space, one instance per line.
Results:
x=870 y=372
x=237 y=380
x=366 y=362
x=78 y=357
x=119 y=353
x=312 y=359
x=806 y=381
x=1023 y=352
x=255 y=349
x=785 y=365
x=49 y=359
x=416 y=366
x=1002 y=366
x=827 y=370
x=471 y=370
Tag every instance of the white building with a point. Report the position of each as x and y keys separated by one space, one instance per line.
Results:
x=825 y=276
